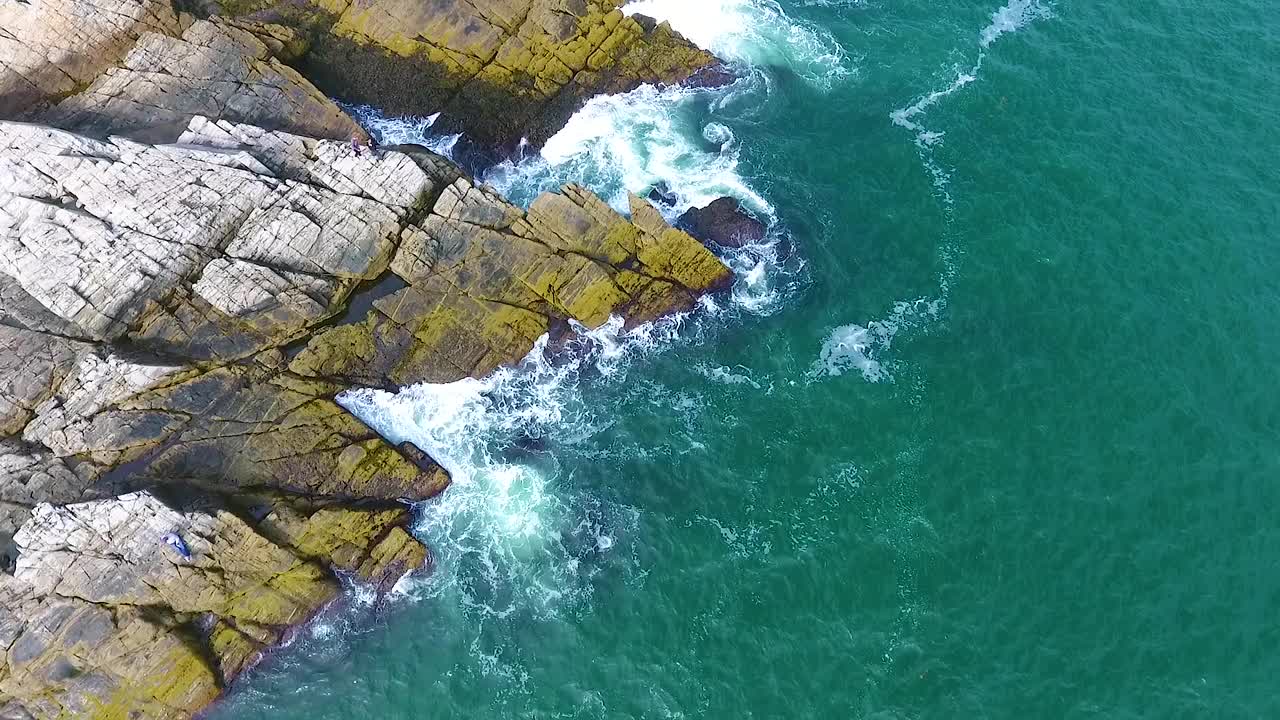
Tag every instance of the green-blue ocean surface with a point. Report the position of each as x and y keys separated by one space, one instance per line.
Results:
x=988 y=428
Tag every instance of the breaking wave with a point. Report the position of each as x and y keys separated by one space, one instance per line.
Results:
x=507 y=536
x=511 y=536
x=401 y=129
x=755 y=33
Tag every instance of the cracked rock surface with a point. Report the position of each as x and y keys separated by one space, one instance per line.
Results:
x=198 y=262
x=52 y=48
x=177 y=321
x=498 y=70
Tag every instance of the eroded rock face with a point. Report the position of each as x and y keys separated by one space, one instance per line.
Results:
x=499 y=70
x=215 y=70
x=150 y=293
x=54 y=48
x=487 y=280
x=146 y=290
x=95 y=230
x=102 y=618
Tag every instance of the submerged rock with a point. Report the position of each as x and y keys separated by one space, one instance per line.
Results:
x=213 y=69
x=724 y=222
x=662 y=194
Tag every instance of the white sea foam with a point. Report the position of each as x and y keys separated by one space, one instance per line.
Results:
x=730 y=376
x=752 y=32
x=402 y=129
x=1014 y=16
x=635 y=141
x=505 y=538
x=863 y=348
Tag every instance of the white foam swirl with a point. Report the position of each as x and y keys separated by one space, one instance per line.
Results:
x=752 y=33
x=504 y=540
x=402 y=129
x=634 y=141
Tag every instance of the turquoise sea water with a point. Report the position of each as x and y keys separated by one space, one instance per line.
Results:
x=989 y=431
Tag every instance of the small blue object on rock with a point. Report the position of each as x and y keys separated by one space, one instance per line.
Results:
x=174 y=541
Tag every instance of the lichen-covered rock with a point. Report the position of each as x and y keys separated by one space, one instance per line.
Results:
x=64 y=657
x=165 y=360
x=487 y=280
x=168 y=369
x=101 y=617
x=214 y=253
x=32 y=366
x=112 y=552
x=499 y=70
x=104 y=571
x=101 y=232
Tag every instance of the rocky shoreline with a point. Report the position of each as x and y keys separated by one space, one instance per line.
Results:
x=196 y=258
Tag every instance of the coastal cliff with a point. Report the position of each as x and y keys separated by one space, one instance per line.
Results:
x=191 y=269
x=498 y=70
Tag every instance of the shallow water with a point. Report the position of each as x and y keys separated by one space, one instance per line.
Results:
x=987 y=429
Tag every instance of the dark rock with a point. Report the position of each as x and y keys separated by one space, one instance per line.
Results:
x=724 y=222
x=475 y=158
x=648 y=23
x=662 y=194
x=712 y=76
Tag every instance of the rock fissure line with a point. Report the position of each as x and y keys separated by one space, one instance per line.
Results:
x=227 y=265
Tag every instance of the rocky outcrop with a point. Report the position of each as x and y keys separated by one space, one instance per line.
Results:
x=140 y=69
x=723 y=222
x=147 y=293
x=214 y=69
x=498 y=70
x=55 y=48
x=486 y=280
x=101 y=619
x=177 y=321
x=190 y=278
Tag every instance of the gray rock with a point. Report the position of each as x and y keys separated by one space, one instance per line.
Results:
x=215 y=70
x=51 y=48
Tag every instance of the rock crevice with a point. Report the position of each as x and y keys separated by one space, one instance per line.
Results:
x=145 y=402
x=195 y=261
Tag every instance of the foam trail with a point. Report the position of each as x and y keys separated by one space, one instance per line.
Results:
x=860 y=347
x=1013 y=16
